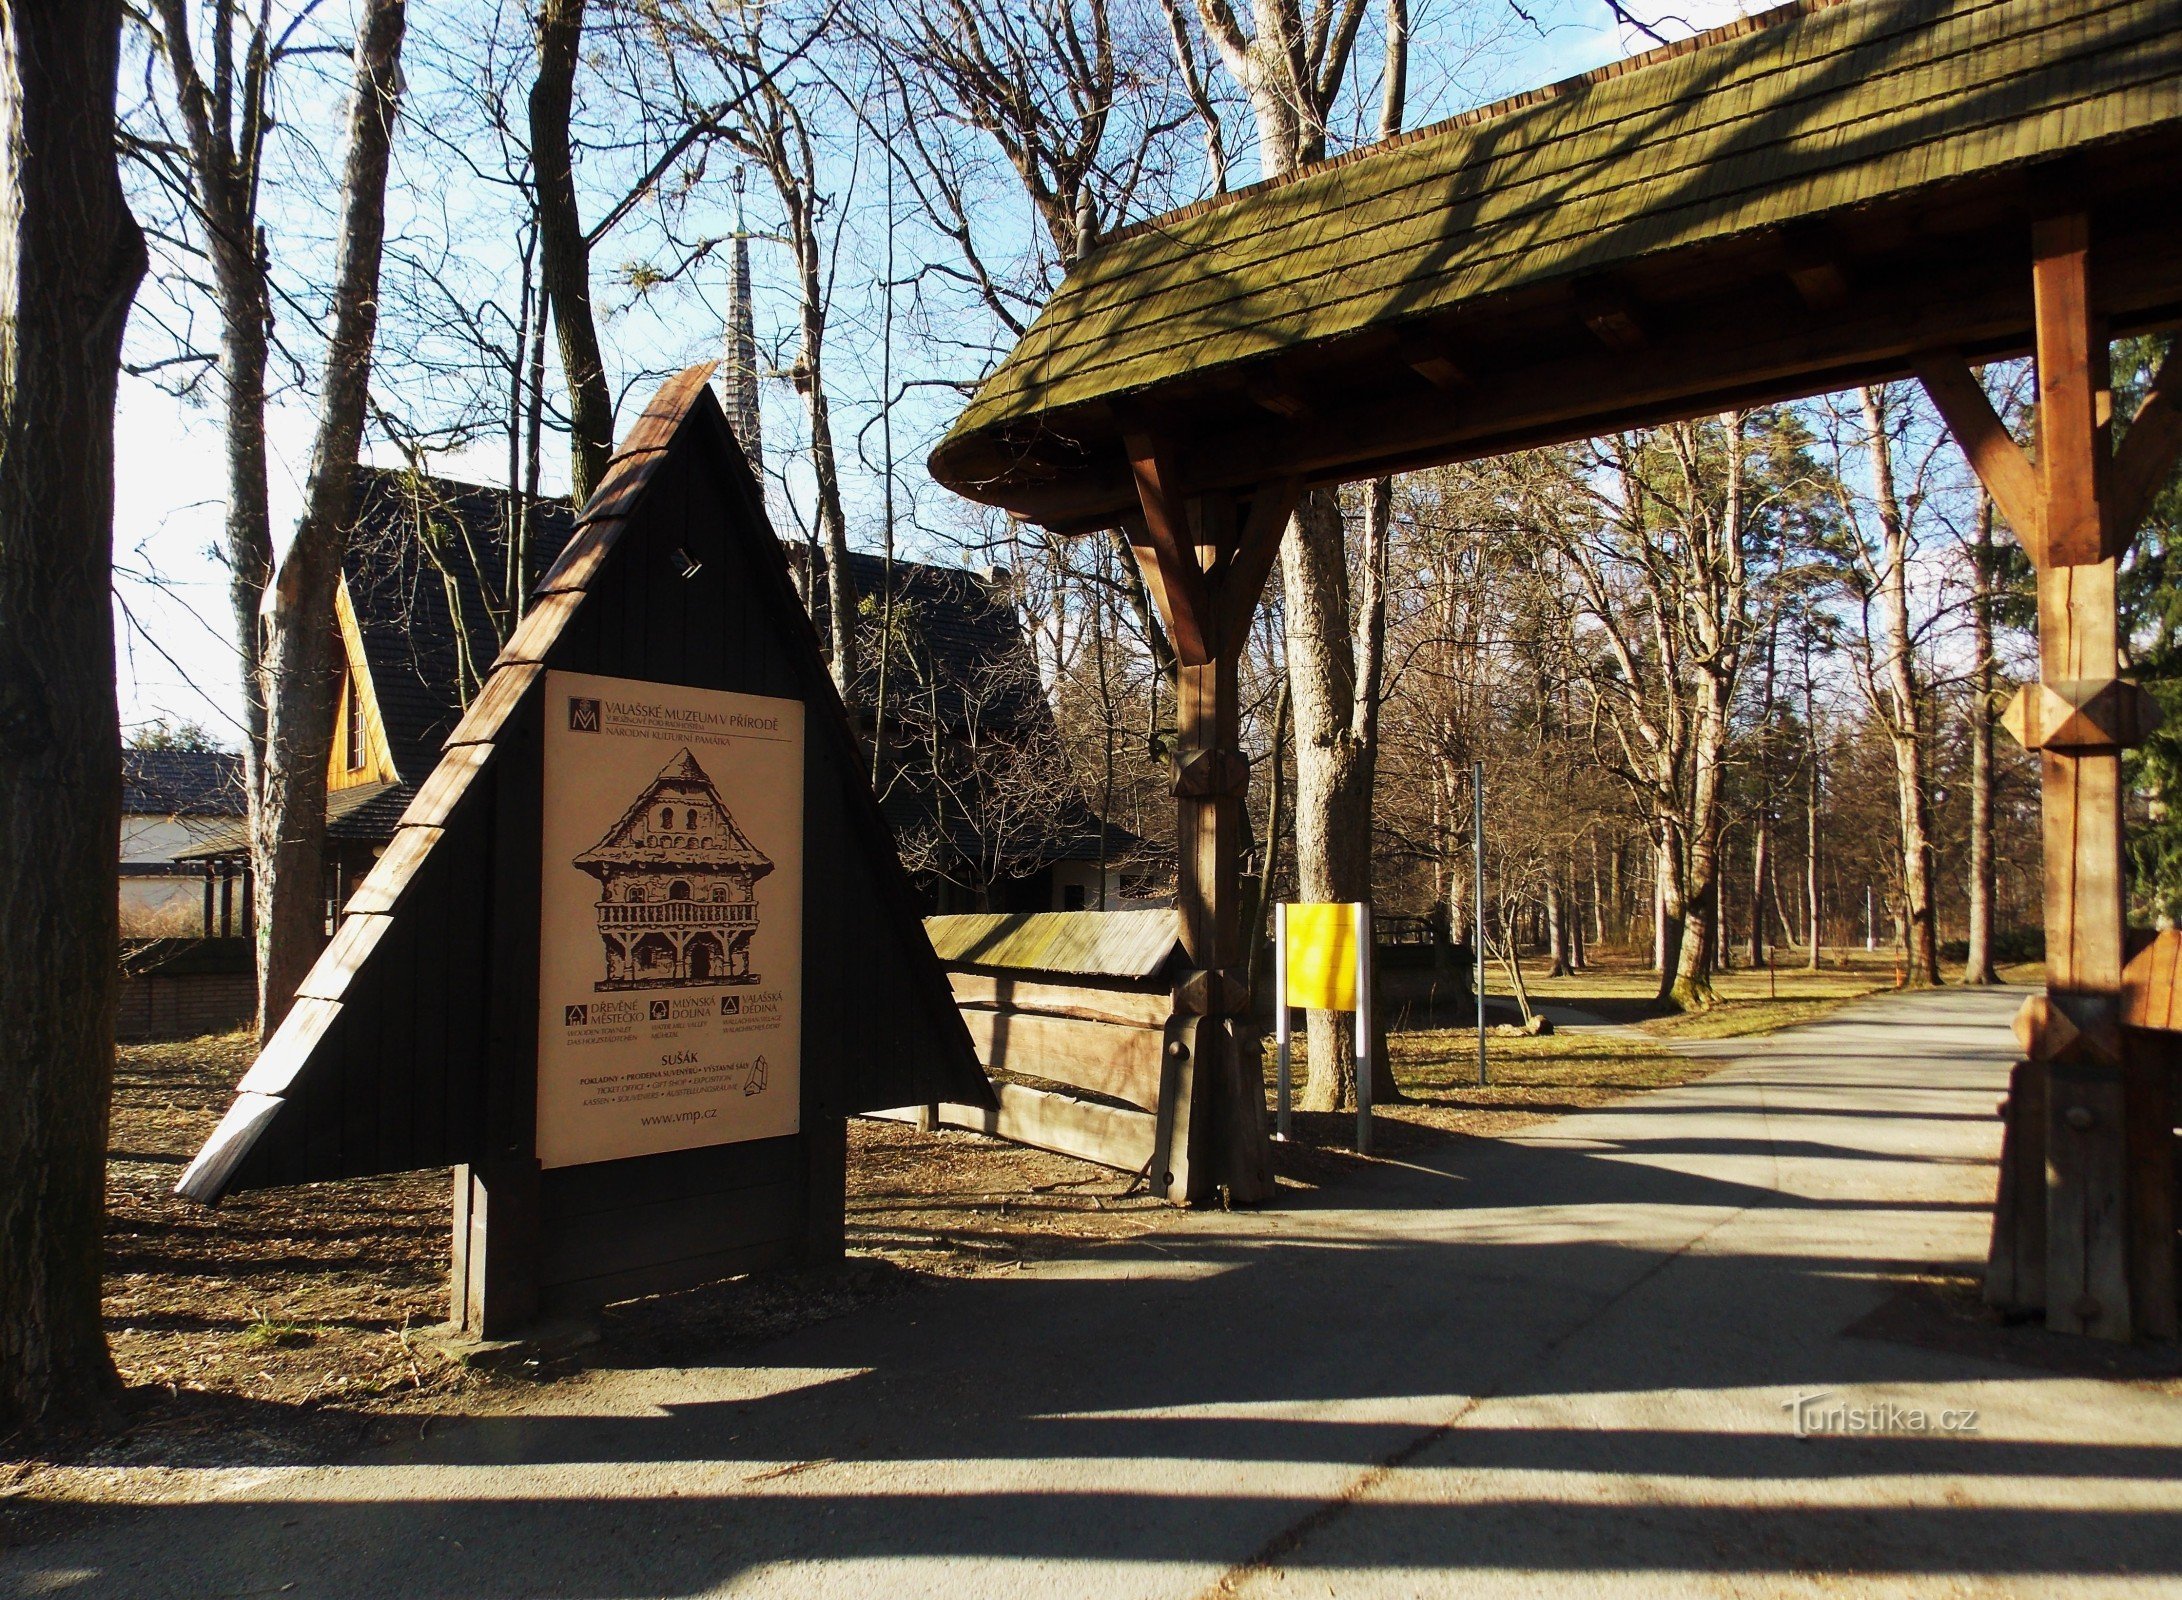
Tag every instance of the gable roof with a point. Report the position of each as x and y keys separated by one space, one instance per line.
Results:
x=182 y=783
x=1807 y=112
x=381 y=1064
x=426 y=572
x=630 y=843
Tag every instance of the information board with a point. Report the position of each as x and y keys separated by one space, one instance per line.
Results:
x=671 y=941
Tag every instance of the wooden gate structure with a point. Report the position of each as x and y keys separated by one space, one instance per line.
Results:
x=1832 y=193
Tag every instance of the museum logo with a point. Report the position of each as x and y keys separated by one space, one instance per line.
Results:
x=583 y=714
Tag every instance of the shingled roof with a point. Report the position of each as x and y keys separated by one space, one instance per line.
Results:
x=400 y=584
x=1784 y=120
x=182 y=783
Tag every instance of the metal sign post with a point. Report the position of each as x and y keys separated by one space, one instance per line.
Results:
x=1322 y=962
x=1280 y=1019
x=1477 y=835
x=1363 y=1027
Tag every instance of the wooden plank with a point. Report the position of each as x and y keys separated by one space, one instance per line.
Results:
x=440 y=793
x=1106 y=1136
x=1105 y=1057
x=1094 y=1002
x=2152 y=1063
x=2087 y=1234
x=584 y=1294
x=2072 y=437
x=2149 y=984
x=1168 y=550
x=2015 y=1269
x=206 y=1177
x=337 y=965
x=1121 y=945
x=671 y=1176
x=2001 y=464
x=663 y=1232
x=1242 y=580
x=289 y=1049
x=390 y=875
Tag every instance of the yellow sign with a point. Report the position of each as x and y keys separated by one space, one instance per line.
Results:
x=1321 y=957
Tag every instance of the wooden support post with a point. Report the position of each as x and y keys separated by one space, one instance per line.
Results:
x=2087 y=1254
x=2108 y=1247
x=498 y=1201
x=1205 y=571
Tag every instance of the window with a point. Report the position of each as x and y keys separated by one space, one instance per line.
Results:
x=666 y=819
x=353 y=714
x=678 y=890
x=690 y=821
x=1071 y=897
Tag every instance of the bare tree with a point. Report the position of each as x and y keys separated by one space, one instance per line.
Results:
x=1977 y=967
x=301 y=665
x=564 y=249
x=222 y=166
x=1883 y=548
x=70 y=260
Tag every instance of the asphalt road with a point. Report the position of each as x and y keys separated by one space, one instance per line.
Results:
x=1561 y=1364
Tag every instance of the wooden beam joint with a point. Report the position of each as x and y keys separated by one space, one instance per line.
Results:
x=1212 y=992
x=2071 y=1028
x=1610 y=312
x=1212 y=775
x=2086 y=714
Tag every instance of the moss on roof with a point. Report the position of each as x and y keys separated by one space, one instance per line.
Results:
x=1781 y=118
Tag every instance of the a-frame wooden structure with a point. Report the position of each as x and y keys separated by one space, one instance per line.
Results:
x=1832 y=193
x=414 y=1042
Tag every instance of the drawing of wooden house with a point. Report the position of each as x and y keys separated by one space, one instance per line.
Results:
x=677 y=886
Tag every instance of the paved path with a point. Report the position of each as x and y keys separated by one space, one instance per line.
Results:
x=1556 y=1365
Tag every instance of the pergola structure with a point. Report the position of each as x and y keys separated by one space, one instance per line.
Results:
x=1832 y=193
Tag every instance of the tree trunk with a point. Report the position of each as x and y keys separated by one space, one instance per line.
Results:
x=1905 y=724
x=1812 y=794
x=1669 y=909
x=564 y=258
x=1978 y=966
x=1335 y=761
x=1557 y=965
x=70 y=261
x=301 y=654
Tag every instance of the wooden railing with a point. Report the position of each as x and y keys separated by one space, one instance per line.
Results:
x=675 y=913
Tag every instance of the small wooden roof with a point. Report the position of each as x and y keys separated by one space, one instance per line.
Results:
x=1743 y=200
x=1079 y=944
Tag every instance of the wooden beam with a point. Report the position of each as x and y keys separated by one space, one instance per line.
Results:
x=2148 y=451
x=2000 y=463
x=1168 y=549
x=1257 y=547
x=1609 y=311
x=2072 y=382
x=1278 y=398
x=1815 y=268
